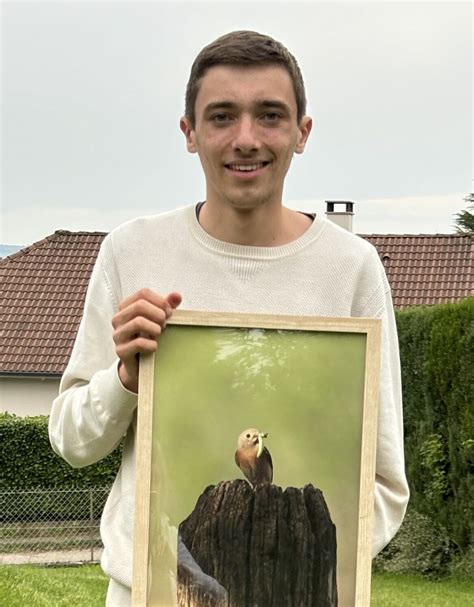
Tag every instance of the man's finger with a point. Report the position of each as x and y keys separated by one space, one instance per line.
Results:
x=146 y=295
x=140 y=309
x=137 y=327
x=128 y=350
x=174 y=299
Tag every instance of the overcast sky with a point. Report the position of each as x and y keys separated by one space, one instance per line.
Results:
x=92 y=93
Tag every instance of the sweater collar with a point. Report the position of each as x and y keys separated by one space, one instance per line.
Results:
x=246 y=251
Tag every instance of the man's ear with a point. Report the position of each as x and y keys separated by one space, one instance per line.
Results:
x=185 y=126
x=304 y=127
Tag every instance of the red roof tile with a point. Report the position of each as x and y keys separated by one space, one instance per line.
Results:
x=41 y=299
x=426 y=268
x=43 y=289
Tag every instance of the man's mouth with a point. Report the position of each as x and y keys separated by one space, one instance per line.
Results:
x=247 y=168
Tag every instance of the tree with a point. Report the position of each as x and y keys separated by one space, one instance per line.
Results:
x=464 y=220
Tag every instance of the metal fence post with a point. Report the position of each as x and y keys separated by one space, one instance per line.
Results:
x=91 y=522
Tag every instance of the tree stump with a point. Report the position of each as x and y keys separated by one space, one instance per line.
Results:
x=264 y=546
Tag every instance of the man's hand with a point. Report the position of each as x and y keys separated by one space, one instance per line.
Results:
x=138 y=323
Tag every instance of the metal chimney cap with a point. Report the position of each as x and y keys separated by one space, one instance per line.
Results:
x=349 y=204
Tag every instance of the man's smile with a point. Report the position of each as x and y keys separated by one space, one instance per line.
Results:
x=246 y=169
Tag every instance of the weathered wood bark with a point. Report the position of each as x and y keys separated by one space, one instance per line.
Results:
x=265 y=546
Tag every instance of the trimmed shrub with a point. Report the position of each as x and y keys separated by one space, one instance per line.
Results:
x=419 y=546
x=436 y=351
x=27 y=460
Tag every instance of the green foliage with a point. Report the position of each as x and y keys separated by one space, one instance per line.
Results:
x=419 y=547
x=432 y=461
x=462 y=565
x=27 y=460
x=436 y=345
x=464 y=220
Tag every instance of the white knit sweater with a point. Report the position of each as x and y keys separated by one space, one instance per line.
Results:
x=325 y=272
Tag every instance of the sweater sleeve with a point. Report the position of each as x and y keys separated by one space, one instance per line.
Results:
x=391 y=487
x=93 y=410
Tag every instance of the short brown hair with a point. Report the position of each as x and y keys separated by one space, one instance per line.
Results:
x=244 y=49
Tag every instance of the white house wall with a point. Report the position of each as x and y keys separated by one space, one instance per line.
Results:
x=25 y=396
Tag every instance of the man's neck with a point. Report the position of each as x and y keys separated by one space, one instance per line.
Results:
x=262 y=227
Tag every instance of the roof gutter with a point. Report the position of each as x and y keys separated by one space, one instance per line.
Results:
x=30 y=374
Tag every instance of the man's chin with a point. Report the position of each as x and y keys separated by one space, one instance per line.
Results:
x=248 y=203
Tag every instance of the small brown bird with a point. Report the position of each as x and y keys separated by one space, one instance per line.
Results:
x=253 y=458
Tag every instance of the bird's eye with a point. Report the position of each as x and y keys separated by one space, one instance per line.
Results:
x=247 y=436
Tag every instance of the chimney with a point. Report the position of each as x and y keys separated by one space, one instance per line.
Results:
x=343 y=216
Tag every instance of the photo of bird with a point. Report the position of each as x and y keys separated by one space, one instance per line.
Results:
x=253 y=458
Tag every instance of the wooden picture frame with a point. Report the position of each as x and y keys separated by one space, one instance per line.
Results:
x=339 y=357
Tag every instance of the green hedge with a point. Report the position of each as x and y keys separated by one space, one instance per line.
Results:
x=28 y=463
x=27 y=460
x=436 y=351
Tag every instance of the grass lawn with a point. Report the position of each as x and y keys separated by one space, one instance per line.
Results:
x=391 y=590
x=34 y=586
x=85 y=586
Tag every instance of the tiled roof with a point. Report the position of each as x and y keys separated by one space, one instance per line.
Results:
x=41 y=299
x=426 y=268
x=43 y=289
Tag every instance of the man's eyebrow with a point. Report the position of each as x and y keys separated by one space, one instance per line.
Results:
x=273 y=103
x=220 y=105
x=263 y=103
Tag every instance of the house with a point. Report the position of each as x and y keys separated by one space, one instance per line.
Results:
x=44 y=285
x=41 y=298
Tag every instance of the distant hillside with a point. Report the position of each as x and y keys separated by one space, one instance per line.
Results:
x=9 y=249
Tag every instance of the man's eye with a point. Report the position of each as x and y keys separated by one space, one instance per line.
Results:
x=271 y=116
x=219 y=118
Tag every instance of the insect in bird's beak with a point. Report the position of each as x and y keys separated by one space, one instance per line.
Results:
x=261 y=436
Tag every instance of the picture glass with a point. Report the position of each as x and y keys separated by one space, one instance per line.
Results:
x=304 y=390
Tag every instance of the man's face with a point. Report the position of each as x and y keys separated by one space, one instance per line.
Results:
x=246 y=134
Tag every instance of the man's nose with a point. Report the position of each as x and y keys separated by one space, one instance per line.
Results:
x=246 y=136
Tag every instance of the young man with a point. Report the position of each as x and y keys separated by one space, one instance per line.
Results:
x=241 y=251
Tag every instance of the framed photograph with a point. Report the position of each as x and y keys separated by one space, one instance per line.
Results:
x=256 y=440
